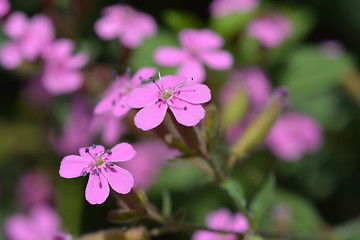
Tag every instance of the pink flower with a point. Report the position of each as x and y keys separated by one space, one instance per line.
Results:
x=116 y=95
x=4 y=7
x=41 y=224
x=29 y=38
x=222 y=220
x=102 y=170
x=147 y=162
x=125 y=23
x=271 y=30
x=110 y=126
x=35 y=188
x=293 y=135
x=61 y=69
x=221 y=8
x=199 y=46
x=181 y=96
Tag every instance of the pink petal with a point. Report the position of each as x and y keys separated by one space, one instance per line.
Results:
x=141 y=97
x=146 y=23
x=94 y=151
x=219 y=219
x=150 y=116
x=131 y=37
x=60 y=49
x=219 y=60
x=4 y=7
x=77 y=61
x=205 y=235
x=186 y=113
x=104 y=105
x=169 y=56
x=97 y=189
x=200 y=39
x=121 y=152
x=112 y=130
x=16 y=24
x=195 y=93
x=192 y=68
x=58 y=81
x=19 y=227
x=46 y=220
x=107 y=27
x=72 y=166
x=10 y=55
x=142 y=74
x=119 y=179
x=171 y=81
x=239 y=223
x=121 y=108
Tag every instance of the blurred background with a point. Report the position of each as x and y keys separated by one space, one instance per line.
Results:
x=318 y=190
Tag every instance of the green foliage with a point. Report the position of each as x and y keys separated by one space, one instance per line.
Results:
x=179 y=19
x=235 y=190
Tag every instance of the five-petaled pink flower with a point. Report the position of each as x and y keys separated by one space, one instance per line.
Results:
x=99 y=163
x=293 y=135
x=199 y=46
x=180 y=95
x=125 y=23
x=61 y=68
x=270 y=30
x=220 y=8
x=116 y=95
x=4 y=7
x=223 y=220
x=29 y=38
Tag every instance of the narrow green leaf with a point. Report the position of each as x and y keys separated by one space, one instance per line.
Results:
x=166 y=204
x=235 y=190
x=264 y=198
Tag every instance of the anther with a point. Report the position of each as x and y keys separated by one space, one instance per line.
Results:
x=128 y=70
x=97 y=173
x=86 y=150
x=122 y=106
x=115 y=73
x=179 y=92
x=111 y=164
x=153 y=80
x=192 y=78
x=108 y=151
x=159 y=100
x=84 y=174
x=113 y=102
x=185 y=108
x=93 y=146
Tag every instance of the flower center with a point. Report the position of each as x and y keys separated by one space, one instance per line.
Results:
x=99 y=162
x=167 y=94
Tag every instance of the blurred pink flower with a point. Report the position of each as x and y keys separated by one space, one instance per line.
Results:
x=116 y=95
x=102 y=170
x=253 y=80
x=42 y=223
x=220 y=8
x=34 y=188
x=110 y=126
x=147 y=162
x=29 y=38
x=181 y=96
x=270 y=30
x=222 y=219
x=75 y=131
x=125 y=23
x=332 y=49
x=4 y=7
x=293 y=135
x=198 y=46
x=61 y=68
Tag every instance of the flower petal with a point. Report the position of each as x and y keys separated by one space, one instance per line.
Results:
x=105 y=104
x=94 y=151
x=59 y=81
x=143 y=96
x=97 y=189
x=150 y=116
x=107 y=27
x=195 y=93
x=192 y=69
x=72 y=166
x=142 y=74
x=200 y=39
x=15 y=25
x=19 y=227
x=121 y=152
x=219 y=60
x=119 y=179
x=10 y=55
x=121 y=108
x=186 y=113
x=169 y=56
x=171 y=81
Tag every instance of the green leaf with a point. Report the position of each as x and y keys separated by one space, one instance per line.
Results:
x=231 y=24
x=180 y=19
x=264 y=198
x=234 y=110
x=166 y=204
x=349 y=230
x=235 y=190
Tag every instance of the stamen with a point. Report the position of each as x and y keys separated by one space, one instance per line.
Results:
x=115 y=73
x=185 y=108
x=93 y=146
x=122 y=106
x=86 y=150
x=128 y=71
x=84 y=174
x=97 y=172
x=192 y=78
x=108 y=151
x=113 y=102
x=111 y=164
